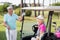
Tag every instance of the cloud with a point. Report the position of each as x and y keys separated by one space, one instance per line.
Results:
x=12 y=1
x=27 y=1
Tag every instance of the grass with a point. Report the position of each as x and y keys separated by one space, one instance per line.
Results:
x=29 y=21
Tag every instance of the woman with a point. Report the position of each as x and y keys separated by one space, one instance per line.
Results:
x=41 y=28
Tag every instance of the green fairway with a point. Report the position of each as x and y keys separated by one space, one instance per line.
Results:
x=27 y=30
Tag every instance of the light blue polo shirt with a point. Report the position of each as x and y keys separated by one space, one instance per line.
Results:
x=11 y=20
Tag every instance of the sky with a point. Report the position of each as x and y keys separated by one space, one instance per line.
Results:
x=46 y=2
x=12 y=1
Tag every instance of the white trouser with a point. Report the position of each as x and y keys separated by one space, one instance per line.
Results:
x=11 y=34
x=33 y=38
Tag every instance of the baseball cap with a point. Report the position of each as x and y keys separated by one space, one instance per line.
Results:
x=40 y=17
x=9 y=7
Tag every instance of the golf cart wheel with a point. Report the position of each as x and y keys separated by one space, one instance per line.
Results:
x=51 y=37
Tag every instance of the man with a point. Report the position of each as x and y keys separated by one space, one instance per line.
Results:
x=10 y=24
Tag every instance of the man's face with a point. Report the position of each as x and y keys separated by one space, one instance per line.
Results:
x=10 y=11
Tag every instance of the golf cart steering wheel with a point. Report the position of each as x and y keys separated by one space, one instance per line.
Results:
x=35 y=28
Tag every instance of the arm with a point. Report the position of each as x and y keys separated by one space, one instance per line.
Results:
x=41 y=32
x=18 y=18
x=43 y=29
x=5 y=24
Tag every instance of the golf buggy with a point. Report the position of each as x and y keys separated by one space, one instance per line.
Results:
x=48 y=35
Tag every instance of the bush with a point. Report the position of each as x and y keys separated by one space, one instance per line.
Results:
x=28 y=13
x=56 y=13
x=17 y=11
x=56 y=4
x=1 y=8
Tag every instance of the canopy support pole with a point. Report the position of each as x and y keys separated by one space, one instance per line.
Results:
x=22 y=20
x=49 y=22
x=22 y=25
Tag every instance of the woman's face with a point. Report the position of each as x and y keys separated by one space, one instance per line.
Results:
x=39 y=21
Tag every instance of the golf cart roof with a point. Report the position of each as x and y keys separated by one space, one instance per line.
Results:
x=45 y=8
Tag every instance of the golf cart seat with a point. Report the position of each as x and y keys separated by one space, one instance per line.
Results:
x=34 y=29
x=27 y=37
x=51 y=37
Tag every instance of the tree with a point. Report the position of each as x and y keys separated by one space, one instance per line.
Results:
x=56 y=4
x=35 y=10
x=1 y=8
x=56 y=13
x=5 y=6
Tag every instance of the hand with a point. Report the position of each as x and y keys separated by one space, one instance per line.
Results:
x=20 y=18
x=5 y=24
x=8 y=28
x=37 y=38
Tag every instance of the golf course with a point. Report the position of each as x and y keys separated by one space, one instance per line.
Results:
x=28 y=11
x=29 y=21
